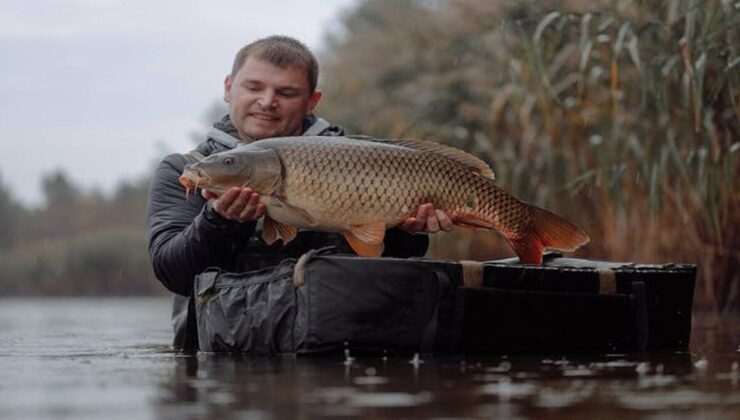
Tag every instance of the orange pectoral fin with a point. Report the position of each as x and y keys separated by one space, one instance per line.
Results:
x=372 y=233
x=364 y=249
x=367 y=240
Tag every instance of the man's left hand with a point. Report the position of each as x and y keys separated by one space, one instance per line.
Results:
x=427 y=220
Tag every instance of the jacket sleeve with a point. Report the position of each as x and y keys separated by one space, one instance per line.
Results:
x=186 y=236
x=404 y=245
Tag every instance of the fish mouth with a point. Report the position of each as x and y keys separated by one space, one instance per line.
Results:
x=192 y=179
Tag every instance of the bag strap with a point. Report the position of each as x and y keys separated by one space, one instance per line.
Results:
x=429 y=339
x=299 y=271
x=472 y=273
x=607 y=281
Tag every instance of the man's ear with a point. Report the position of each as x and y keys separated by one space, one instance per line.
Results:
x=313 y=100
x=227 y=88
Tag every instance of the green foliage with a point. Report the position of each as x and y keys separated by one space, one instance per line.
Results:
x=622 y=116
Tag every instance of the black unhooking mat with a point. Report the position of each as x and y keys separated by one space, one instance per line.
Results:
x=325 y=302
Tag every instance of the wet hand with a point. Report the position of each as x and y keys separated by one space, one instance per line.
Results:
x=237 y=204
x=427 y=220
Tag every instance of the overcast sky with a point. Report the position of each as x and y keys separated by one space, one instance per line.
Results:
x=103 y=88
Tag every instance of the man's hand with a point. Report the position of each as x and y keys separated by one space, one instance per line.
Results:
x=237 y=204
x=427 y=220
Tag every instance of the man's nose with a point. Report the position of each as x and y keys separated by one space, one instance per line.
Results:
x=267 y=99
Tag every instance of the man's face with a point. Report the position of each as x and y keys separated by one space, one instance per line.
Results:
x=268 y=101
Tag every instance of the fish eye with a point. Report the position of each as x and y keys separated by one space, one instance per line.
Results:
x=228 y=160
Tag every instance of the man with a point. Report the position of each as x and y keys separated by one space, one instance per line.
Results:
x=271 y=92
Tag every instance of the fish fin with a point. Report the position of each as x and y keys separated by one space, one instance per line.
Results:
x=272 y=230
x=367 y=239
x=548 y=231
x=371 y=233
x=460 y=156
x=269 y=231
x=363 y=249
x=288 y=233
x=288 y=211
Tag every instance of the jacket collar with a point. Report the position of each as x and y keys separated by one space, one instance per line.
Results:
x=225 y=133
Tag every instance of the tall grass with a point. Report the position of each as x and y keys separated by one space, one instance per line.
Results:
x=640 y=121
x=622 y=116
x=112 y=262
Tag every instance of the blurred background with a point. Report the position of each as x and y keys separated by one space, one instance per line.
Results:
x=622 y=116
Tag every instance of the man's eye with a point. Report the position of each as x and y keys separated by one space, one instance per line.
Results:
x=228 y=160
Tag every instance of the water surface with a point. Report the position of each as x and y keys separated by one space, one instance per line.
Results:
x=110 y=358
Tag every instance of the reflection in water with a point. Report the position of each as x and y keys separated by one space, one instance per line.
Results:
x=447 y=386
x=110 y=358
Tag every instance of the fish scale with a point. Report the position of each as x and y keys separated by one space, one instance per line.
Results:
x=389 y=182
x=352 y=186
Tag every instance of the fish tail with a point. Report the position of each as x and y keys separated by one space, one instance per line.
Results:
x=547 y=230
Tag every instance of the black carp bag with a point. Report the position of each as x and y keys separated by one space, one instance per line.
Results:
x=323 y=302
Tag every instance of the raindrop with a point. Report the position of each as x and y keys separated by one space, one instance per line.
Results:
x=701 y=364
x=347 y=359
x=505 y=366
x=416 y=361
x=642 y=368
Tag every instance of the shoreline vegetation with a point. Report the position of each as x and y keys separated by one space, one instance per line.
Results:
x=623 y=117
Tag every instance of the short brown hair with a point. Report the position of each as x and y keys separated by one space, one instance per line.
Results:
x=281 y=51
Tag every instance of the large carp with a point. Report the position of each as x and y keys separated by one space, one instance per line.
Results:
x=363 y=186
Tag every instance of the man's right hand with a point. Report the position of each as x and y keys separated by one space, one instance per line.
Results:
x=237 y=204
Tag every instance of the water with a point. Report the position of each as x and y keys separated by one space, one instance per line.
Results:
x=110 y=358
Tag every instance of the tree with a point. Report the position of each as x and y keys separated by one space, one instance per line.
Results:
x=59 y=190
x=9 y=215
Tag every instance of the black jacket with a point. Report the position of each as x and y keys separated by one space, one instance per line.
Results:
x=187 y=236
